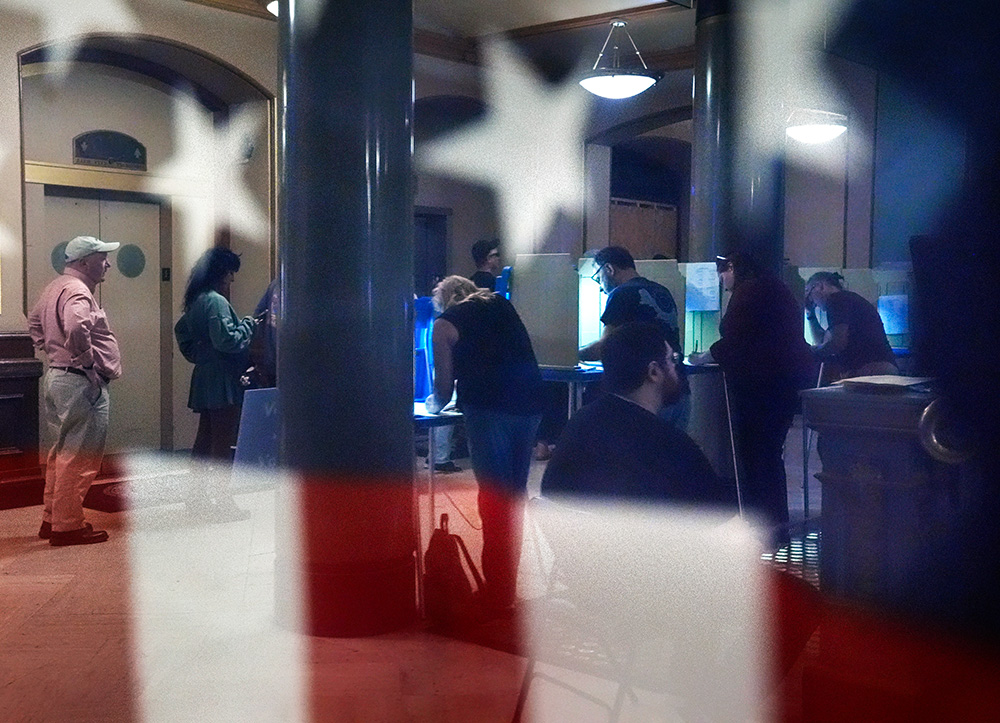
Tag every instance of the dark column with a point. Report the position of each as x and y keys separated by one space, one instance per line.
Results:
x=713 y=128
x=346 y=361
x=737 y=170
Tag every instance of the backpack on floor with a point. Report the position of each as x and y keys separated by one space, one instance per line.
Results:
x=448 y=593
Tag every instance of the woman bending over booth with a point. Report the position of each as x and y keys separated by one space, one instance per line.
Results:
x=481 y=344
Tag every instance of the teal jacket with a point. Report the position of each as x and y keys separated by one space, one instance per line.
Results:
x=217 y=342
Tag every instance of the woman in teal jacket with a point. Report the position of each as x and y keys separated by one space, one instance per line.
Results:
x=217 y=342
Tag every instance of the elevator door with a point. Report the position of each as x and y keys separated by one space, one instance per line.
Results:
x=130 y=294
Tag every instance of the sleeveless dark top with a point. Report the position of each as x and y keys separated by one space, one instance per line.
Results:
x=494 y=363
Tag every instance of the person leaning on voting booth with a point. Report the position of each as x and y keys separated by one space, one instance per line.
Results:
x=766 y=361
x=72 y=329
x=633 y=298
x=481 y=345
x=854 y=343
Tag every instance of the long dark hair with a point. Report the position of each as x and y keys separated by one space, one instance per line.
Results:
x=208 y=272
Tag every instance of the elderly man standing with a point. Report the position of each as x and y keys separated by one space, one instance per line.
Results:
x=72 y=329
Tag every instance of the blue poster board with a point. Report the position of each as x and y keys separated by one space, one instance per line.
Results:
x=258 y=442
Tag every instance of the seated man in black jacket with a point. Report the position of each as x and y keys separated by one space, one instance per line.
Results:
x=618 y=447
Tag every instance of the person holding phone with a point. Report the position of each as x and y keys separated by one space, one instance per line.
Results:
x=217 y=342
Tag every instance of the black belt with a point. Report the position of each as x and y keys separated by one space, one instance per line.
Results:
x=81 y=372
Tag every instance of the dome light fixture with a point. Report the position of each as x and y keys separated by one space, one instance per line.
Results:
x=610 y=77
x=806 y=125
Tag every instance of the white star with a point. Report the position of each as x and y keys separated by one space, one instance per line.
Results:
x=68 y=22
x=528 y=147
x=205 y=175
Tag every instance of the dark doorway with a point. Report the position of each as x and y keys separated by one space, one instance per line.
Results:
x=430 y=250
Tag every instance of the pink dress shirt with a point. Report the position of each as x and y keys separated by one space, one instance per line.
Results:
x=69 y=326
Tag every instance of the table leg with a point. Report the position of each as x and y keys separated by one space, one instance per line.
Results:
x=417 y=525
x=806 y=445
x=431 y=440
x=732 y=444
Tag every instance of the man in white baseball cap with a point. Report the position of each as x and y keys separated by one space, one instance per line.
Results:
x=72 y=329
x=83 y=246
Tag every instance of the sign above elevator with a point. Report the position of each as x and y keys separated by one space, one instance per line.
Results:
x=110 y=149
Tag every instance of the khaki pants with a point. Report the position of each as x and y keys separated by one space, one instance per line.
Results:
x=77 y=415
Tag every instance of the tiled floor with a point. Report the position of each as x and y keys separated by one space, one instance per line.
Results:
x=173 y=620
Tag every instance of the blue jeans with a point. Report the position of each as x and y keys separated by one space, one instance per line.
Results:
x=500 y=447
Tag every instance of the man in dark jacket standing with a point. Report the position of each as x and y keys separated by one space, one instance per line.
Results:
x=766 y=360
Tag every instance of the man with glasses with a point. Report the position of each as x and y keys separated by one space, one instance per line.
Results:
x=619 y=446
x=486 y=257
x=634 y=298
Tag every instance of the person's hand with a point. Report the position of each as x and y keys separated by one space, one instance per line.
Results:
x=700 y=358
x=432 y=404
x=810 y=304
x=92 y=376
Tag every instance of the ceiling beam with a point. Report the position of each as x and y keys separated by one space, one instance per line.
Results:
x=667 y=60
x=464 y=50
x=637 y=126
x=589 y=21
x=446 y=47
x=256 y=8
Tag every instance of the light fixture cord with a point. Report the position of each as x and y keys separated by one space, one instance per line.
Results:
x=638 y=54
x=603 y=48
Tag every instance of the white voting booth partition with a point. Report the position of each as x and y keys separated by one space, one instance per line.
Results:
x=561 y=307
x=544 y=288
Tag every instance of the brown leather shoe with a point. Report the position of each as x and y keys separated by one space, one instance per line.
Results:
x=84 y=536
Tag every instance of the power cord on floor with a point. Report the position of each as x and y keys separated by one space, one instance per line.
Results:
x=460 y=513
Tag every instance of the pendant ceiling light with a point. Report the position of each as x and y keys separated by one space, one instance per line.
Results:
x=806 y=125
x=616 y=74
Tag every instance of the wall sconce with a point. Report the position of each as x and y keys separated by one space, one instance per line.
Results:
x=610 y=77
x=272 y=7
x=807 y=125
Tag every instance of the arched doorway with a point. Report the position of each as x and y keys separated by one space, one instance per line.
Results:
x=137 y=87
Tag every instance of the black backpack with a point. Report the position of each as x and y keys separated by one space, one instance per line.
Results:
x=448 y=594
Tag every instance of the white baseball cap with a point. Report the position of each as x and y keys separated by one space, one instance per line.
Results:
x=86 y=245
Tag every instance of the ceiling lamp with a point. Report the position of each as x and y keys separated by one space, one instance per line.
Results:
x=806 y=125
x=272 y=7
x=610 y=77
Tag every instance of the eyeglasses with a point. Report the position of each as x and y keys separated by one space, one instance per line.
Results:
x=596 y=276
x=675 y=358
